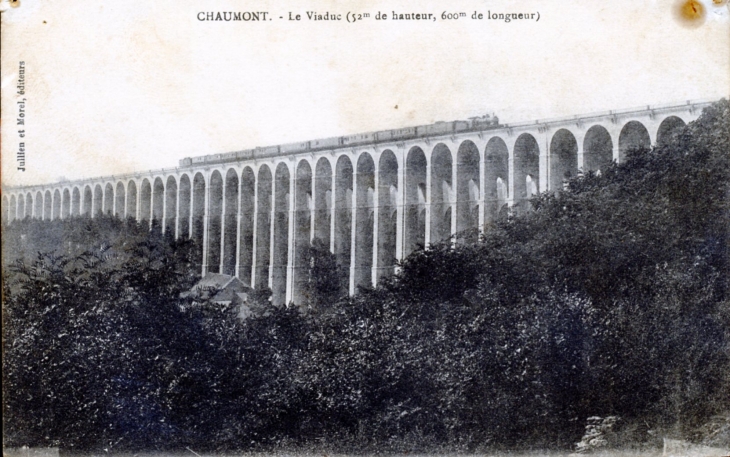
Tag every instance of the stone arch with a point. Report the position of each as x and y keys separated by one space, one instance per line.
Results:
x=13 y=209
x=633 y=135
x=35 y=209
x=76 y=202
x=416 y=198
x=158 y=201
x=248 y=215
x=97 y=200
x=183 y=206
x=441 y=192
x=131 y=208
x=230 y=223
x=48 y=205
x=87 y=201
x=215 y=219
x=344 y=177
x=145 y=200
x=303 y=206
x=670 y=126
x=467 y=188
x=6 y=210
x=198 y=214
x=526 y=168
x=22 y=196
x=108 y=206
x=29 y=205
x=38 y=205
x=56 y=210
x=364 y=220
x=32 y=209
x=563 y=158
x=280 y=257
x=264 y=204
x=21 y=206
x=496 y=177
x=66 y=207
x=323 y=200
x=597 y=149
x=119 y=201
x=170 y=212
x=387 y=213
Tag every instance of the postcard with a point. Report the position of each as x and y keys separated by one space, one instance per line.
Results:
x=376 y=128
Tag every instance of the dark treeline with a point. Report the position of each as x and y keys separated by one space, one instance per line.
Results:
x=607 y=298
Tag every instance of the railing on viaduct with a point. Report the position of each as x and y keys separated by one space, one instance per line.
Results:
x=373 y=198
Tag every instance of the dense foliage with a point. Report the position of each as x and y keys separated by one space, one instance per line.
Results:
x=608 y=298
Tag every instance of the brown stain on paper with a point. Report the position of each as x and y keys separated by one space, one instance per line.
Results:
x=691 y=13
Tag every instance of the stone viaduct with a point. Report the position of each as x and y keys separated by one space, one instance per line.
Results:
x=373 y=197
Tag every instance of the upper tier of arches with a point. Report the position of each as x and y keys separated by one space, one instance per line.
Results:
x=490 y=169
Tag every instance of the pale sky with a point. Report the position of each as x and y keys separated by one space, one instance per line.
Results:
x=113 y=87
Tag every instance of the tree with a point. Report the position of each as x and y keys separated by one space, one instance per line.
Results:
x=324 y=288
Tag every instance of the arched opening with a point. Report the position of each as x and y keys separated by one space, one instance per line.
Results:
x=303 y=206
x=48 y=206
x=264 y=189
x=170 y=206
x=597 y=149
x=441 y=193
x=563 y=159
x=76 y=202
x=467 y=190
x=281 y=235
x=34 y=205
x=13 y=210
x=108 y=207
x=38 y=205
x=132 y=200
x=215 y=218
x=248 y=205
x=21 y=206
x=496 y=179
x=56 y=204
x=364 y=220
x=97 y=200
x=6 y=210
x=415 y=207
x=145 y=201
x=87 y=208
x=230 y=223
x=526 y=169
x=633 y=135
x=668 y=128
x=158 y=202
x=66 y=209
x=198 y=216
x=119 y=201
x=343 y=218
x=183 y=207
x=323 y=200
x=29 y=205
x=387 y=213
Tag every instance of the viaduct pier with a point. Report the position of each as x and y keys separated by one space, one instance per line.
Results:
x=372 y=198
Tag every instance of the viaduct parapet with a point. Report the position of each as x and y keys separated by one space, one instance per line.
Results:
x=372 y=198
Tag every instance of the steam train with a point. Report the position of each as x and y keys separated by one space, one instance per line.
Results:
x=439 y=128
